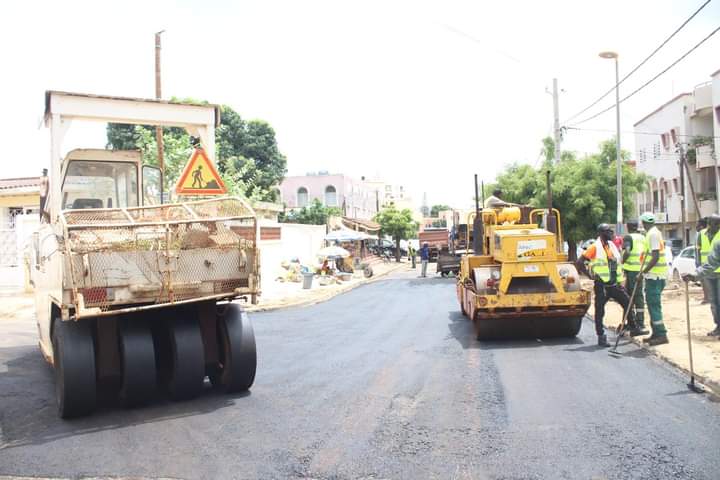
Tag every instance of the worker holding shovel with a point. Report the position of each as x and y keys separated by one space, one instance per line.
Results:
x=709 y=271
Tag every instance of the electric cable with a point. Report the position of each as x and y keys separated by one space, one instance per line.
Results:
x=652 y=79
x=640 y=64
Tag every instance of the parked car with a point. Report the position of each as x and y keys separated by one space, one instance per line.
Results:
x=683 y=263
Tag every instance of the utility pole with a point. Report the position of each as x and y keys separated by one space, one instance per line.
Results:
x=556 y=121
x=682 y=194
x=158 y=95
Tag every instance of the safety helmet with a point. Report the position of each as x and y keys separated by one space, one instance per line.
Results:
x=604 y=227
x=647 y=217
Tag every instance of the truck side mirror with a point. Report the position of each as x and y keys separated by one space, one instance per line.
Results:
x=152 y=185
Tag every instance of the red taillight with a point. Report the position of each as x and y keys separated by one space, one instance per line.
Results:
x=94 y=295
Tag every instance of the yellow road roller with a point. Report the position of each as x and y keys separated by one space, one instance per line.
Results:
x=518 y=281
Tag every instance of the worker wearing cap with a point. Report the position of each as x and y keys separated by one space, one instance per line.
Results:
x=606 y=269
x=655 y=272
x=633 y=250
x=708 y=271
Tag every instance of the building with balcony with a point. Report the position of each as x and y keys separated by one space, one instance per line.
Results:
x=688 y=123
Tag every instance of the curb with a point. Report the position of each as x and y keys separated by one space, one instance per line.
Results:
x=710 y=385
x=325 y=298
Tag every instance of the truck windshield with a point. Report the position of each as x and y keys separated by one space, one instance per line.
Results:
x=95 y=184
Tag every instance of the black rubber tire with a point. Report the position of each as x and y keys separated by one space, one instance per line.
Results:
x=185 y=358
x=137 y=360
x=74 y=361
x=528 y=328
x=236 y=347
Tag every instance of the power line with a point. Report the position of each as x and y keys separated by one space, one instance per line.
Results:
x=636 y=132
x=640 y=64
x=652 y=79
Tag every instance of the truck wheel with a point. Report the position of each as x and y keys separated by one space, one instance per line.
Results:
x=137 y=355
x=185 y=358
x=238 y=357
x=74 y=361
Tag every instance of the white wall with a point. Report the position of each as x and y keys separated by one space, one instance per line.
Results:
x=301 y=241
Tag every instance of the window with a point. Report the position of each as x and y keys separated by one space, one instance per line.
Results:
x=665 y=141
x=330 y=196
x=302 y=197
x=673 y=135
x=675 y=185
x=96 y=184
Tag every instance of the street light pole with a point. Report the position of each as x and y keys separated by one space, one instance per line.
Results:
x=618 y=161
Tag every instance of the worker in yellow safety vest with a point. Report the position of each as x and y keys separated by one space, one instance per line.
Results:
x=711 y=279
x=654 y=273
x=700 y=228
x=633 y=252
x=606 y=269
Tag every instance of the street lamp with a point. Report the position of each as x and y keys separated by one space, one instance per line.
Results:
x=618 y=162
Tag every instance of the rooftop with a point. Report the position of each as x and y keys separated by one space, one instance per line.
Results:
x=15 y=186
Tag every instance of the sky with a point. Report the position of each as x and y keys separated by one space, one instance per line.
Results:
x=419 y=93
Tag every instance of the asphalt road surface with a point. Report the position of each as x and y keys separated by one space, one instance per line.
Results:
x=386 y=381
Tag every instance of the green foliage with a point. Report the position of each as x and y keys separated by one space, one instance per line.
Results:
x=584 y=190
x=314 y=214
x=398 y=224
x=248 y=157
x=436 y=209
x=519 y=184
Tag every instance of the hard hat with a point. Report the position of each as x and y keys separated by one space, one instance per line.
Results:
x=604 y=227
x=647 y=217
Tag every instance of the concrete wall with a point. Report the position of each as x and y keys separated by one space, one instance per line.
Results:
x=301 y=241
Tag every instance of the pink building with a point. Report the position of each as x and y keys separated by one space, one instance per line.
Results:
x=353 y=197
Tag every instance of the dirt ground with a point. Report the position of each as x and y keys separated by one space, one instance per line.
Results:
x=706 y=350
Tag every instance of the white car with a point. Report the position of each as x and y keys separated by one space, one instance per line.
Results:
x=683 y=263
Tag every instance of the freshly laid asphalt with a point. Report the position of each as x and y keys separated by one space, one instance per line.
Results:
x=386 y=381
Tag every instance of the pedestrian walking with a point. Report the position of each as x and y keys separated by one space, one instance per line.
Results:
x=702 y=249
x=606 y=269
x=709 y=269
x=424 y=258
x=633 y=251
x=411 y=254
x=655 y=272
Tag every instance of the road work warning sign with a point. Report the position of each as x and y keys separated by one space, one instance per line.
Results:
x=199 y=177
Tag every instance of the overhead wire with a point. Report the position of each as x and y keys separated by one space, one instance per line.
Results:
x=637 y=67
x=636 y=132
x=652 y=79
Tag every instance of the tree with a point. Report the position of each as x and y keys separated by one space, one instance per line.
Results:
x=398 y=224
x=248 y=157
x=583 y=190
x=315 y=214
x=436 y=209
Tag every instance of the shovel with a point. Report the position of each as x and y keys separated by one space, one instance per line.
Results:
x=621 y=328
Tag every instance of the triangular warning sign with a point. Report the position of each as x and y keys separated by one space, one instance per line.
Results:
x=199 y=177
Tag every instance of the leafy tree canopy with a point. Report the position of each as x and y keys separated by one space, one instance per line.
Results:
x=436 y=209
x=398 y=224
x=584 y=190
x=314 y=214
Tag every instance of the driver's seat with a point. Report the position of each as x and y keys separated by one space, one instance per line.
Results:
x=81 y=203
